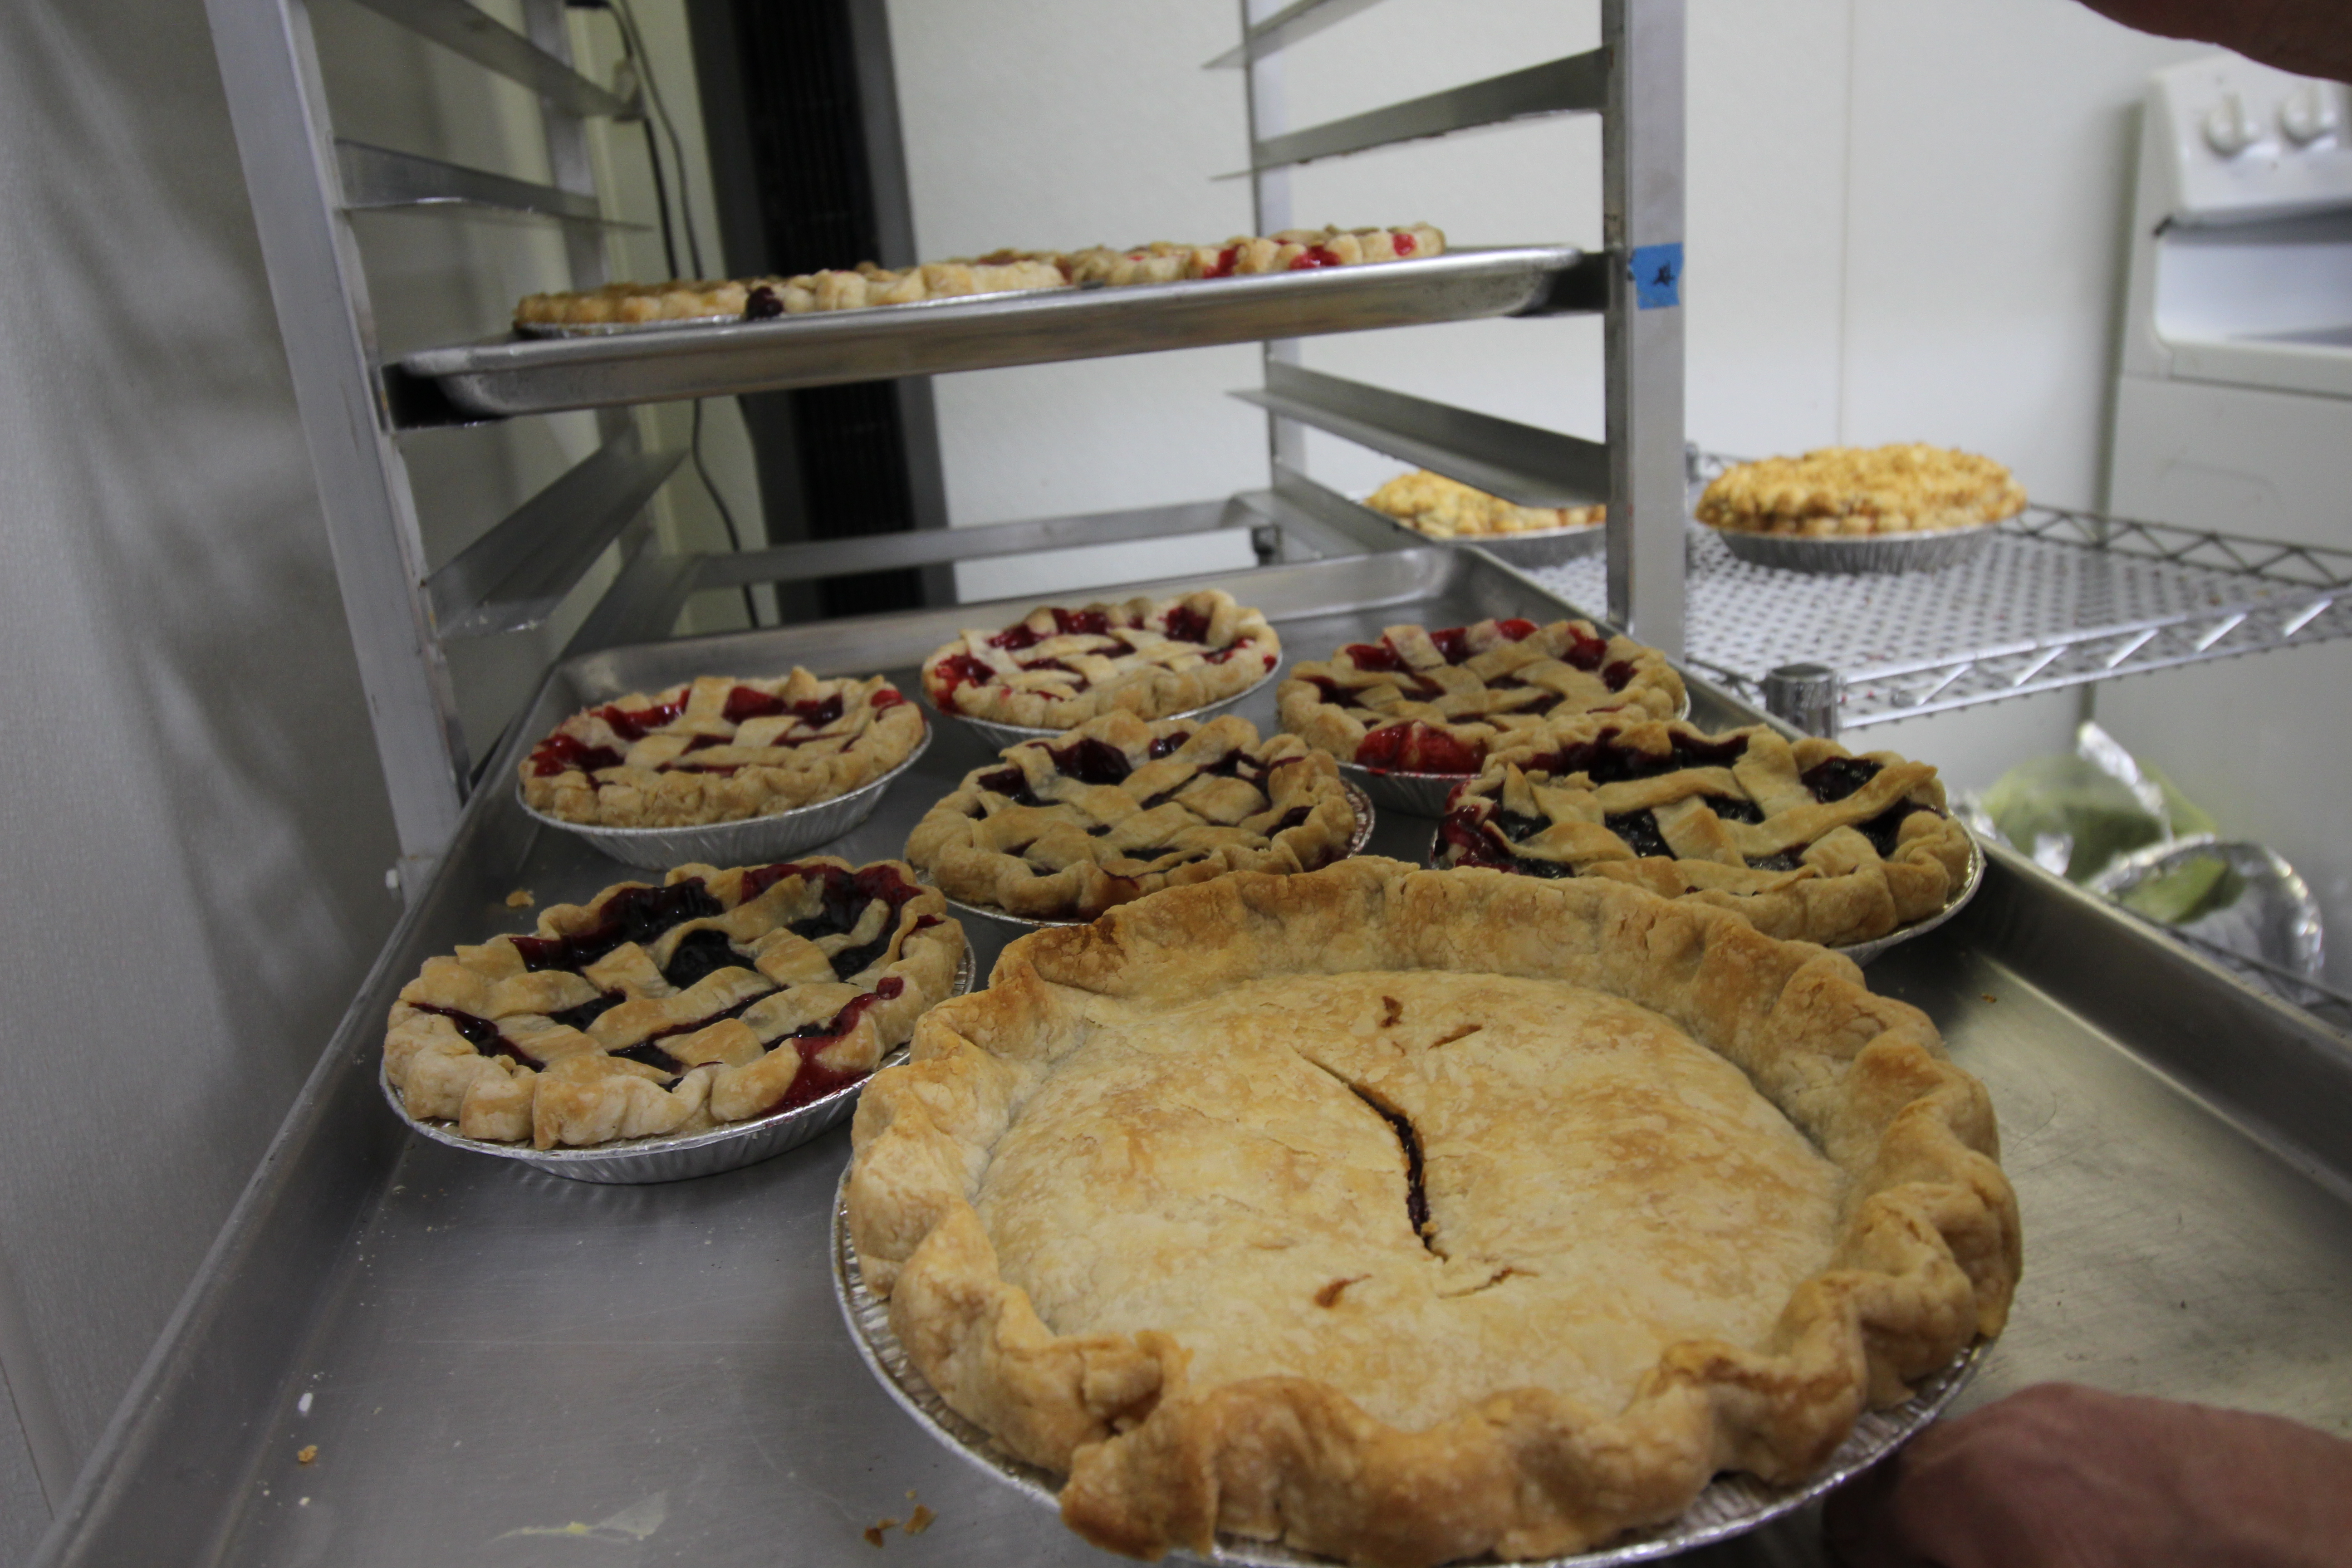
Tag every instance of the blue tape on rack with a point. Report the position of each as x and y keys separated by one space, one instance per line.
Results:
x=1658 y=276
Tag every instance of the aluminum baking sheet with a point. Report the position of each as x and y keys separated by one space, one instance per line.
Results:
x=1731 y=1505
x=507 y=376
x=1003 y=735
x=754 y=841
x=1876 y=552
x=510 y=1371
x=1365 y=820
x=638 y=1160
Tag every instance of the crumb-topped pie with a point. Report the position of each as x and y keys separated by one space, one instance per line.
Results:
x=1842 y=491
x=1407 y=1217
x=1438 y=701
x=717 y=997
x=1055 y=669
x=1064 y=829
x=1447 y=509
x=720 y=748
x=1807 y=841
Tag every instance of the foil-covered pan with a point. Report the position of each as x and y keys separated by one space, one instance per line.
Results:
x=1926 y=550
x=1731 y=1505
x=643 y=1160
x=2240 y=898
x=1356 y=842
x=1000 y=736
x=754 y=841
x=1859 y=952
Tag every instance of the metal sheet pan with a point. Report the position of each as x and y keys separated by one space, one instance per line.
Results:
x=508 y=376
x=498 y=1362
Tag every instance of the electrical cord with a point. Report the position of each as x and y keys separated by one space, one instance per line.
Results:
x=633 y=50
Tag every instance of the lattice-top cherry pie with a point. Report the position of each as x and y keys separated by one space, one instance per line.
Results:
x=1806 y=840
x=720 y=748
x=1055 y=669
x=1409 y=1216
x=1064 y=829
x=1438 y=701
x=717 y=997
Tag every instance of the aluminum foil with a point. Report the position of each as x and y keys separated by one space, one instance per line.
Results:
x=1859 y=952
x=1000 y=736
x=754 y=841
x=1731 y=1505
x=2271 y=918
x=1927 y=551
x=641 y=1161
x=1356 y=842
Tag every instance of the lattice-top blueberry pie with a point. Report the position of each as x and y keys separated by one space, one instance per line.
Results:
x=1438 y=701
x=1409 y=1216
x=1057 y=669
x=717 y=997
x=1063 y=829
x=1806 y=840
x=720 y=748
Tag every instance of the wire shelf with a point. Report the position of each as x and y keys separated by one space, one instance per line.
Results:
x=2058 y=599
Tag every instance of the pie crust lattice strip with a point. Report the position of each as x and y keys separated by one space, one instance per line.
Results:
x=1055 y=669
x=1805 y=839
x=714 y=998
x=1405 y=1217
x=1437 y=701
x=1066 y=829
x=720 y=748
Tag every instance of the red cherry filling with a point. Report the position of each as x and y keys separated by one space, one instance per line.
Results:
x=1413 y=747
x=1186 y=624
x=560 y=753
x=1227 y=258
x=1405 y=243
x=959 y=669
x=1313 y=257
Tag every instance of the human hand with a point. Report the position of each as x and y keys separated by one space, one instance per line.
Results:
x=2307 y=37
x=2059 y=1476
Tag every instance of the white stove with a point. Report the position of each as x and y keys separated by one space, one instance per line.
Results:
x=2234 y=399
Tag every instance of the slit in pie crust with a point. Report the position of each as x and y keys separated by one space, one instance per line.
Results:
x=1805 y=839
x=1407 y=1216
x=1066 y=829
x=1055 y=669
x=720 y=748
x=716 y=998
x=1439 y=702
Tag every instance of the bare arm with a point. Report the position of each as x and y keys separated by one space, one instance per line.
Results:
x=2310 y=37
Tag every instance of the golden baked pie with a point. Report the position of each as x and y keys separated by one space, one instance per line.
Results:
x=1055 y=669
x=1438 y=701
x=1856 y=490
x=720 y=748
x=716 y=998
x=1064 y=829
x=1807 y=841
x=1448 y=509
x=1407 y=1217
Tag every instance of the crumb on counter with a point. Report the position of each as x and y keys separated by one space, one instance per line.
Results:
x=306 y=1453
x=521 y=899
x=874 y=1531
x=1988 y=996
x=920 y=1521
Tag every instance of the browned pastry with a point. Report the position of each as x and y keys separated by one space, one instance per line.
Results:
x=1064 y=829
x=1861 y=490
x=1408 y=1216
x=1806 y=840
x=1437 y=702
x=717 y=997
x=719 y=750
x=1055 y=669
x=1447 y=509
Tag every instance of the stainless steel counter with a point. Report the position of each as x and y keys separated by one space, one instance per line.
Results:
x=498 y=1367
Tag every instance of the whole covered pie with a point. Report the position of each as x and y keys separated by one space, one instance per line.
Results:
x=720 y=748
x=1439 y=702
x=1899 y=489
x=718 y=997
x=1055 y=669
x=1064 y=829
x=1447 y=509
x=1807 y=841
x=1411 y=1215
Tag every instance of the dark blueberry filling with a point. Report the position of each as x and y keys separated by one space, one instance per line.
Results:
x=1011 y=783
x=480 y=1033
x=1732 y=809
x=1416 y=1191
x=1640 y=830
x=1883 y=829
x=1168 y=745
x=1092 y=762
x=1291 y=818
x=587 y=1013
x=1787 y=860
x=761 y=303
x=1835 y=778
x=633 y=914
x=1605 y=762
x=699 y=954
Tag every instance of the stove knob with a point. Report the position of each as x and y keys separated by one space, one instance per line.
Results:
x=2311 y=114
x=2229 y=129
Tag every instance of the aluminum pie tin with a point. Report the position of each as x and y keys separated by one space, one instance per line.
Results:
x=638 y=1162
x=1356 y=842
x=753 y=841
x=2272 y=919
x=1731 y=1505
x=621 y=329
x=1926 y=551
x=1000 y=736
x=1425 y=795
x=1859 y=952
